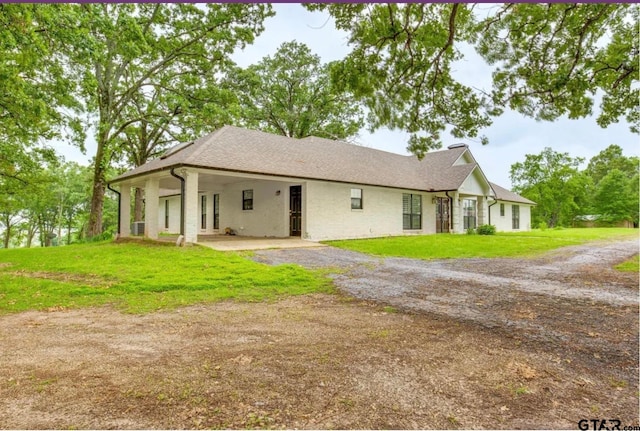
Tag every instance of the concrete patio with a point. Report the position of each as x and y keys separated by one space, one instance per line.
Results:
x=238 y=243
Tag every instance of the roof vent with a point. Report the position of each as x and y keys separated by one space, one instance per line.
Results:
x=459 y=145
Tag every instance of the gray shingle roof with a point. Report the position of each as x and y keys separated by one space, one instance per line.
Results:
x=240 y=150
x=509 y=196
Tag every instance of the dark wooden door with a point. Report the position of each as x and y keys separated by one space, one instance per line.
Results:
x=216 y=211
x=442 y=215
x=295 y=211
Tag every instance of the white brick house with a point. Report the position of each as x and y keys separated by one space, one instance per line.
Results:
x=259 y=184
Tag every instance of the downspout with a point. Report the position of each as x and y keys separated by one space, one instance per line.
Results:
x=494 y=202
x=181 y=238
x=446 y=193
x=119 y=206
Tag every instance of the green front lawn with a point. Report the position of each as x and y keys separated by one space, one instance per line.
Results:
x=445 y=246
x=141 y=277
x=631 y=265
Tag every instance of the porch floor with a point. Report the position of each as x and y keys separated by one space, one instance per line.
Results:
x=237 y=243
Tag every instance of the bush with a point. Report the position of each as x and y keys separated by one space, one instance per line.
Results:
x=471 y=231
x=543 y=226
x=486 y=229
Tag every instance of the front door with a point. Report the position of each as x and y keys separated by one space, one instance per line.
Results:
x=216 y=211
x=442 y=215
x=295 y=211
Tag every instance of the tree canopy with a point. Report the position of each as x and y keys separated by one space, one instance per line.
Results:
x=609 y=159
x=291 y=94
x=616 y=179
x=549 y=60
x=607 y=189
x=34 y=95
x=616 y=198
x=552 y=180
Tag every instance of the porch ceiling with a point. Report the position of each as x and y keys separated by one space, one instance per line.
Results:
x=206 y=180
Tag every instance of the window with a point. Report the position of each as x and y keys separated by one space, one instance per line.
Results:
x=247 y=199
x=501 y=210
x=203 y=212
x=515 y=216
x=216 y=211
x=469 y=214
x=166 y=213
x=356 y=199
x=411 y=211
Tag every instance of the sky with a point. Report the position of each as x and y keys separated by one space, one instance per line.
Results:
x=511 y=136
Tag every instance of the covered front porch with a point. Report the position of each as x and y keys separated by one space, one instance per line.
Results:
x=191 y=202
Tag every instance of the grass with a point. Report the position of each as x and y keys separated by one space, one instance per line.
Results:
x=141 y=277
x=444 y=246
x=631 y=265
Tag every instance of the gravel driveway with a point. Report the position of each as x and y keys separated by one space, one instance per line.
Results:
x=568 y=299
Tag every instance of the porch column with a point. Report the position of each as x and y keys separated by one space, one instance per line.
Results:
x=125 y=210
x=455 y=214
x=483 y=213
x=190 y=206
x=151 y=202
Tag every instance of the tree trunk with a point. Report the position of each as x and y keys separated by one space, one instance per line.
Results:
x=31 y=232
x=7 y=236
x=138 y=213
x=99 y=186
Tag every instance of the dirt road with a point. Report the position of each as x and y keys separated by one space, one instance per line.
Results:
x=497 y=343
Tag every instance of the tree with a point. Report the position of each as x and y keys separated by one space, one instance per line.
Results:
x=9 y=219
x=615 y=199
x=553 y=181
x=118 y=50
x=21 y=172
x=552 y=58
x=549 y=60
x=149 y=135
x=176 y=108
x=609 y=159
x=34 y=82
x=291 y=94
x=74 y=197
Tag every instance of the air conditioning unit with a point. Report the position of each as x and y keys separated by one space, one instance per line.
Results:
x=137 y=228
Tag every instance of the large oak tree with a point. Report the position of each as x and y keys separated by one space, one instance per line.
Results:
x=127 y=48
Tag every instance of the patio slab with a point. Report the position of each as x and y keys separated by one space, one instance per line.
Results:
x=238 y=243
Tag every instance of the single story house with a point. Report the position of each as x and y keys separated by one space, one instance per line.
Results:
x=265 y=185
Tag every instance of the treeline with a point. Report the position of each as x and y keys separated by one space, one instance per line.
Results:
x=605 y=192
x=49 y=205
